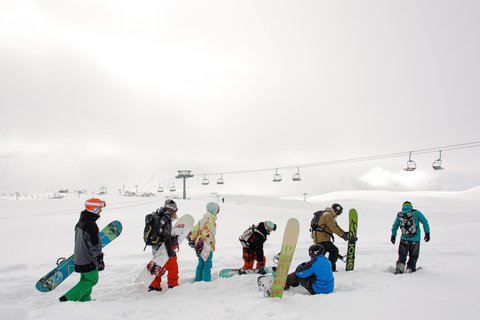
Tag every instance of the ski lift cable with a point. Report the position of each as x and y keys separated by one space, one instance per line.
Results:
x=359 y=159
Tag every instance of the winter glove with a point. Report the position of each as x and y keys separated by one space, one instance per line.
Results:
x=100 y=262
x=427 y=237
x=392 y=239
x=191 y=243
x=345 y=236
x=261 y=270
x=199 y=247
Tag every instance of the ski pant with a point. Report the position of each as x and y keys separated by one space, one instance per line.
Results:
x=410 y=249
x=172 y=277
x=204 y=269
x=294 y=281
x=82 y=290
x=332 y=253
x=249 y=258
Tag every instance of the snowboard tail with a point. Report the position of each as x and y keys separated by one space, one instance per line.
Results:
x=66 y=266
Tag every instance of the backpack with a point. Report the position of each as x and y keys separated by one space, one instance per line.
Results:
x=314 y=223
x=247 y=236
x=407 y=224
x=151 y=232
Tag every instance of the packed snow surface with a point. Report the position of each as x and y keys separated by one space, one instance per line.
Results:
x=37 y=230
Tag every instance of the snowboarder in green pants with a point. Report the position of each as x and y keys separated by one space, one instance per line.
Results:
x=88 y=255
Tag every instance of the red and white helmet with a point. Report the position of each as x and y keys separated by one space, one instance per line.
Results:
x=94 y=205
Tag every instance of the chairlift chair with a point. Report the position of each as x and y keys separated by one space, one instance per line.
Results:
x=160 y=188
x=220 y=180
x=437 y=164
x=205 y=181
x=277 y=177
x=411 y=165
x=172 y=188
x=296 y=176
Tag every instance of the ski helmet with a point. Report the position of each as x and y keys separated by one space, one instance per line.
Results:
x=315 y=250
x=337 y=208
x=213 y=207
x=170 y=204
x=270 y=226
x=95 y=205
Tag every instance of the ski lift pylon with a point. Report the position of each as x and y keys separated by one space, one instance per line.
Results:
x=277 y=177
x=296 y=176
x=205 y=181
x=411 y=165
x=437 y=164
x=220 y=180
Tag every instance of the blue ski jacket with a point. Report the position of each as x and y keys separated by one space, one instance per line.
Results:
x=319 y=271
x=419 y=218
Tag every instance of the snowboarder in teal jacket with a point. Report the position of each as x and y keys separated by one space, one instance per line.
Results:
x=408 y=220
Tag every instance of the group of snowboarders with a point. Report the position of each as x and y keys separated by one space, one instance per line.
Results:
x=315 y=275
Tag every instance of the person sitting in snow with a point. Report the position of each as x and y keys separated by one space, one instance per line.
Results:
x=168 y=213
x=88 y=255
x=327 y=226
x=202 y=239
x=253 y=246
x=315 y=275
x=408 y=220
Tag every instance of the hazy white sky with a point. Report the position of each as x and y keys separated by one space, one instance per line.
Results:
x=113 y=93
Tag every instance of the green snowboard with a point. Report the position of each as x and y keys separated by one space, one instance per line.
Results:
x=353 y=223
x=65 y=267
x=289 y=243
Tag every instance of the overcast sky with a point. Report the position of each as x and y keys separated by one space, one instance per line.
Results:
x=112 y=93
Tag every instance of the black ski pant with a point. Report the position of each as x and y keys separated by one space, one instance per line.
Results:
x=294 y=281
x=410 y=249
x=332 y=253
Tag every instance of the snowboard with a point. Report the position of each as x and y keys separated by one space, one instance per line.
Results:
x=153 y=268
x=227 y=273
x=66 y=266
x=353 y=223
x=289 y=243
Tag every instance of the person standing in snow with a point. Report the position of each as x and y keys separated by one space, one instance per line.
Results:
x=408 y=220
x=88 y=255
x=327 y=226
x=202 y=239
x=167 y=213
x=253 y=246
x=315 y=275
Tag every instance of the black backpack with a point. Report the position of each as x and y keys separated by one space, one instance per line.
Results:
x=407 y=224
x=314 y=223
x=152 y=232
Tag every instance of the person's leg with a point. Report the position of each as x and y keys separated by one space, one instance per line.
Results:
x=172 y=268
x=82 y=290
x=413 y=253
x=207 y=269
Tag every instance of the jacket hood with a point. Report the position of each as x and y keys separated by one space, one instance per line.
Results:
x=88 y=215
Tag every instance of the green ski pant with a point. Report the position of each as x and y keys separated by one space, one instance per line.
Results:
x=82 y=290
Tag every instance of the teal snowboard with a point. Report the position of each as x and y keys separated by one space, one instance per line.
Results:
x=352 y=241
x=65 y=267
x=227 y=273
x=289 y=243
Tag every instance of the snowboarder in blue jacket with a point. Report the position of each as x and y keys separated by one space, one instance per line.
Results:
x=408 y=220
x=315 y=275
